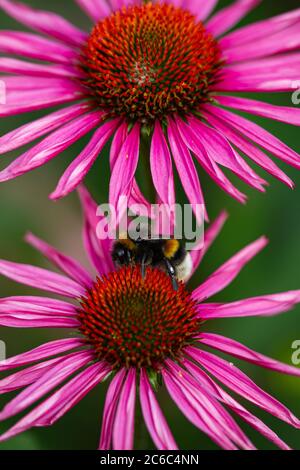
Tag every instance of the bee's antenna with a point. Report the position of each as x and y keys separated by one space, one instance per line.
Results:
x=172 y=273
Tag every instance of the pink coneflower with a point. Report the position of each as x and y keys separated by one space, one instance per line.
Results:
x=157 y=71
x=140 y=333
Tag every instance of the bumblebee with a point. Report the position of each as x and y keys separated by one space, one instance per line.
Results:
x=168 y=255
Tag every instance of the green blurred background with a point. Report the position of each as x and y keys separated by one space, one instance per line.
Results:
x=24 y=206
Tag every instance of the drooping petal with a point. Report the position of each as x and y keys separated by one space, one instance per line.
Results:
x=192 y=141
x=41 y=279
x=223 y=276
x=41 y=352
x=61 y=401
x=97 y=248
x=32 y=131
x=253 y=152
x=186 y=170
x=220 y=151
x=78 y=169
x=264 y=305
x=234 y=348
x=125 y=166
x=45 y=22
x=228 y=17
x=111 y=402
x=36 y=47
x=17 y=66
x=257 y=134
x=210 y=235
x=47 y=382
x=26 y=376
x=52 y=145
x=68 y=265
x=123 y=431
x=224 y=397
x=161 y=166
x=153 y=416
x=280 y=113
x=95 y=9
x=237 y=381
x=16 y=84
x=187 y=400
x=224 y=421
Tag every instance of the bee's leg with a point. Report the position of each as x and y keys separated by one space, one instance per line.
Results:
x=172 y=273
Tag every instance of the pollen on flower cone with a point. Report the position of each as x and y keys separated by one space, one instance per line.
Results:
x=145 y=62
x=136 y=321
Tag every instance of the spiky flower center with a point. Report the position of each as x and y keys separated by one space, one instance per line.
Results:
x=145 y=62
x=134 y=321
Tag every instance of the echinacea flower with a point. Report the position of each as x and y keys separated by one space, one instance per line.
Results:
x=140 y=333
x=159 y=72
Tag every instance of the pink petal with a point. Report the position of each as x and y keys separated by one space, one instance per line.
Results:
x=249 y=149
x=123 y=432
x=285 y=65
x=52 y=145
x=10 y=65
x=233 y=83
x=279 y=113
x=260 y=29
x=282 y=41
x=265 y=305
x=36 y=312
x=17 y=84
x=236 y=349
x=228 y=17
x=188 y=400
x=118 y=140
x=61 y=401
x=201 y=9
x=257 y=134
x=228 y=271
x=210 y=235
x=36 y=47
x=81 y=165
x=161 y=166
x=41 y=279
x=153 y=416
x=193 y=142
x=31 y=320
x=111 y=402
x=136 y=197
x=37 y=305
x=126 y=164
x=26 y=376
x=41 y=352
x=186 y=169
x=68 y=265
x=224 y=421
x=95 y=9
x=237 y=381
x=47 y=382
x=219 y=151
x=215 y=390
x=44 y=22
x=26 y=101
x=98 y=250
x=29 y=132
